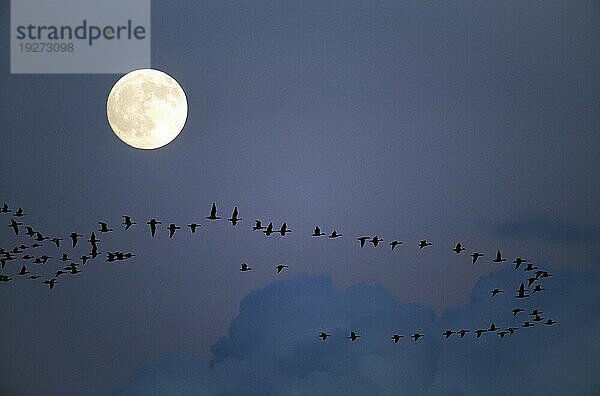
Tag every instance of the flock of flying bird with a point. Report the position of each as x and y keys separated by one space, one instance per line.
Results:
x=38 y=240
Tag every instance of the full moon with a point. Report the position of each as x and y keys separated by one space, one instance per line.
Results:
x=146 y=109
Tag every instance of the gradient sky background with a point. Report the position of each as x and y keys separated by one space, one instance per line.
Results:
x=463 y=122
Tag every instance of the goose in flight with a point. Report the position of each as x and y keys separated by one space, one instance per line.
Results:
x=396 y=338
x=127 y=222
x=502 y=333
x=5 y=278
x=93 y=240
x=463 y=332
x=499 y=257
x=172 y=229
x=458 y=248
x=448 y=333
x=193 y=227
x=512 y=330
x=56 y=241
x=213 y=213
x=375 y=240
x=234 y=217
x=39 y=237
x=50 y=282
x=152 y=223
x=353 y=336
x=530 y=267
x=29 y=231
x=518 y=261
x=245 y=267
x=516 y=311
x=15 y=226
x=542 y=274
x=493 y=327
x=521 y=291
x=424 y=243
x=74 y=237
x=65 y=257
x=20 y=213
x=475 y=256
x=258 y=225
x=363 y=240
x=527 y=324
x=5 y=208
x=280 y=267
x=416 y=336
x=269 y=229
x=550 y=322
x=334 y=235
x=283 y=230
x=317 y=232
x=479 y=332
x=537 y=288
x=496 y=292
x=324 y=335
x=34 y=276
x=536 y=312
x=393 y=244
x=24 y=271
x=104 y=227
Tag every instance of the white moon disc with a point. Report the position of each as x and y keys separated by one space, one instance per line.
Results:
x=146 y=109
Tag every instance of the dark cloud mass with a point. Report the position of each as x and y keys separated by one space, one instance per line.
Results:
x=272 y=345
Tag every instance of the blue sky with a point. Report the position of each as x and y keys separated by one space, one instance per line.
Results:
x=413 y=120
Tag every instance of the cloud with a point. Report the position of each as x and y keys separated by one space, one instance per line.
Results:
x=548 y=229
x=272 y=345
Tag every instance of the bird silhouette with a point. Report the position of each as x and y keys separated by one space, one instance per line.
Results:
x=538 y=318
x=550 y=322
x=56 y=241
x=23 y=271
x=257 y=225
x=193 y=227
x=234 y=217
x=59 y=272
x=127 y=222
x=448 y=333
x=74 y=238
x=317 y=232
x=65 y=257
x=104 y=227
x=458 y=248
x=93 y=240
x=15 y=226
x=521 y=292
x=515 y=311
x=393 y=244
x=353 y=336
x=334 y=235
x=245 y=267
x=463 y=332
x=172 y=228
x=527 y=324
x=542 y=274
x=269 y=229
x=84 y=259
x=535 y=312
x=375 y=240
x=416 y=336
x=152 y=223
x=530 y=267
x=475 y=256
x=20 y=213
x=50 y=282
x=280 y=267
x=29 y=231
x=324 y=335
x=5 y=278
x=512 y=330
x=479 y=332
x=213 y=213
x=283 y=230
x=518 y=261
x=44 y=259
x=496 y=292
x=39 y=237
x=424 y=243
x=34 y=277
x=396 y=338
x=493 y=327
x=5 y=208
x=537 y=288
x=499 y=257
x=502 y=333
x=363 y=240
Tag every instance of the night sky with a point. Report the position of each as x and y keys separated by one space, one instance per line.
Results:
x=472 y=122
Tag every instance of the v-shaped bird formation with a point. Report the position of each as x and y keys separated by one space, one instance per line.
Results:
x=26 y=255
